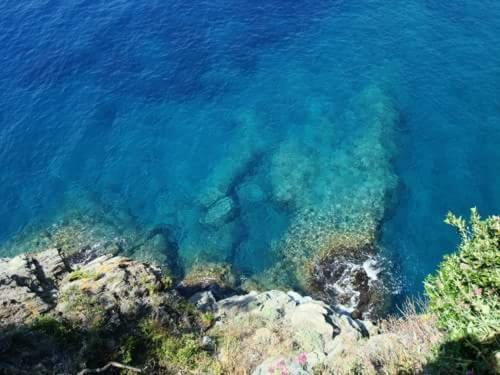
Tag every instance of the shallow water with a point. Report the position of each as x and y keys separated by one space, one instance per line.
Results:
x=378 y=112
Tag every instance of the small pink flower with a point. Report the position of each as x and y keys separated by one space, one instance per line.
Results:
x=477 y=292
x=302 y=359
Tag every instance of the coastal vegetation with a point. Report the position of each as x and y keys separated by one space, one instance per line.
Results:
x=464 y=295
x=119 y=313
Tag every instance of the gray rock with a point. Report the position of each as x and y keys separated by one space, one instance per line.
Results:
x=28 y=285
x=208 y=344
x=109 y=289
x=310 y=327
x=204 y=301
x=97 y=295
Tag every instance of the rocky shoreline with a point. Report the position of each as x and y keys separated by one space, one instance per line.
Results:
x=349 y=273
x=109 y=295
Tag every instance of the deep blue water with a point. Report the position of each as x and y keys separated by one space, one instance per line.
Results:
x=147 y=103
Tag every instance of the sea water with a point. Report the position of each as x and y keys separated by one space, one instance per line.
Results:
x=254 y=129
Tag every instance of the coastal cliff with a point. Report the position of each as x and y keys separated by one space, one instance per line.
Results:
x=63 y=313
x=86 y=311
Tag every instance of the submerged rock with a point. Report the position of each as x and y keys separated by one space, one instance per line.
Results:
x=245 y=153
x=210 y=196
x=94 y=229
x=251 y=193
x=336 y=184
x=220 y=212
x=217 y=278
x=158 y=246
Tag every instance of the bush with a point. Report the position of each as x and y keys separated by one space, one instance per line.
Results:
x=60 y=330
x=464 y=293
x=154 y=344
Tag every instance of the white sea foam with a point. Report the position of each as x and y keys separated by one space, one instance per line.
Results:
x=372 y=268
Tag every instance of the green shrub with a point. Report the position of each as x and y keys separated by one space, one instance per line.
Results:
x=206 y=320
x=62 y=331
x=181 y=352
x=80 y=274
x=126 y=351
x=167 y=281
x=464 y=293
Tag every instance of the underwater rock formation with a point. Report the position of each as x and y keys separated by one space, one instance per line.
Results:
x=338 y=191
x=74 y=231
x=218 y=229
x=220 y=212
x=277 y=212
x=95 y=230
x=158 y=246
x=293 y=173
x=84 y=222
x=321 y=180
x=277 y=209
x=244 y=154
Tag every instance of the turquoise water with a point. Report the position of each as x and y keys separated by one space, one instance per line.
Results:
x=289 y=118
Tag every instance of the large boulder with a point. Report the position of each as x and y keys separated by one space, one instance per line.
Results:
x=110 y=291
x=28 y=285
x=220 y=212
x=277 y=329
x=80 y=288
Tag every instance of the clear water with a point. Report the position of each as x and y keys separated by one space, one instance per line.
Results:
x=382 y=109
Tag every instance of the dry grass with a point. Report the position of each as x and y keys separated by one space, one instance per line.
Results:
x=244 y=343
x=404 y=346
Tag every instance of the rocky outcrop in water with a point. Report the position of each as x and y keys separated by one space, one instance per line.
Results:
x=350 y=278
